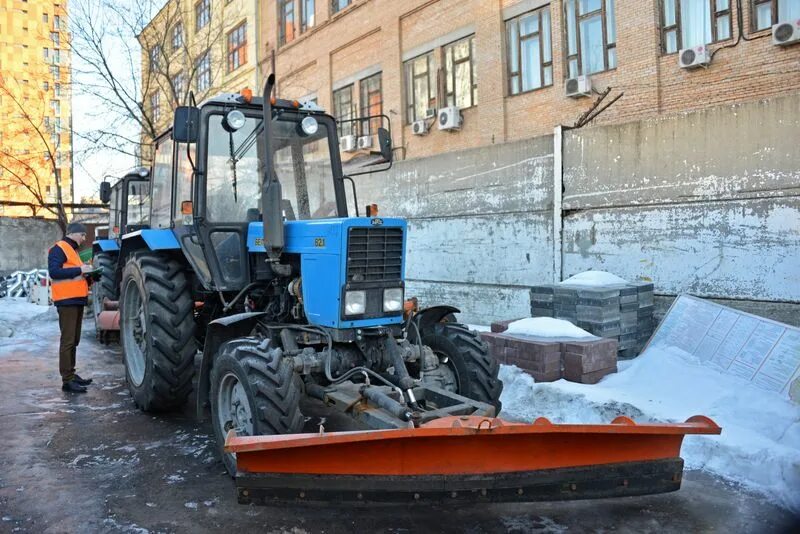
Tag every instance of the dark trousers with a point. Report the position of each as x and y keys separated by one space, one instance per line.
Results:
x=69 y=322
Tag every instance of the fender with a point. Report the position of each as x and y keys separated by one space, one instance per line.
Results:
x=428 y=316
x=105 y=245
x=218 y=332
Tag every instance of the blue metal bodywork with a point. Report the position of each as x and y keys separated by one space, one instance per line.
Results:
x=322 y=246
x=105 y=245
x=163 y=239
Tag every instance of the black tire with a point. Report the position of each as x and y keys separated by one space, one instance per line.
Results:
x=273 y=391
x=468 y=356
x=159 y=363
x=105 y=287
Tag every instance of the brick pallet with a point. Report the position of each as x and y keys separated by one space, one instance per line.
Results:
x=623 y=312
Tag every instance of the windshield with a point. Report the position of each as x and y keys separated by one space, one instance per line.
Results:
x=138 y=203
x=302 y=164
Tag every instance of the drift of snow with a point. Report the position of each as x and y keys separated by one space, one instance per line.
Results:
x=594 y=278
x=760 y=442
x=546 y=327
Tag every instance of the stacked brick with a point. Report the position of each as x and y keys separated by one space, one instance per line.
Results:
x=547 y=360
x=621 y=311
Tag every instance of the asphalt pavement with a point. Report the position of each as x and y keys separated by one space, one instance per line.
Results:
x=94 y=463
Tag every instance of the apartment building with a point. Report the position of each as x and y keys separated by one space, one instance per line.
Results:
x=35 y=106
x=202 y=47
x=507 y=64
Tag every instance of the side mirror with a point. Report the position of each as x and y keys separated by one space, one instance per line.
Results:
x=185 y=124
x=105 y=192
x=385 y=144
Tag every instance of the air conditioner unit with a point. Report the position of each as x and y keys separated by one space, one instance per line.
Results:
x=449 y=118
x=579 y=87
x=691 y=58
x=364 y=142
x=348 y=143
x=419 y=127
x=430 y=113
x=786 y=33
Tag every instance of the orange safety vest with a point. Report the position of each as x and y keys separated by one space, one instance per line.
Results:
x=71 y=288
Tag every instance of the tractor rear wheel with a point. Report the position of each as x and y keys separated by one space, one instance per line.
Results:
x=105 y=287
x=157 y=332
x=466 y=355
x=254 y=391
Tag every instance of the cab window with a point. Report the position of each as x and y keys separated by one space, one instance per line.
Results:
x=162 y=185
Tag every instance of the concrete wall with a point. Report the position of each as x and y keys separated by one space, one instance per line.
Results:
x=24 y=243
x=705 y=202
x=480 y=225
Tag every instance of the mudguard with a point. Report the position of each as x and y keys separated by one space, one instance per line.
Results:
x=428 y=316
x=218 y=332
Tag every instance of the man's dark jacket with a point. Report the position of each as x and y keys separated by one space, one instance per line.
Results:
x=55 y=259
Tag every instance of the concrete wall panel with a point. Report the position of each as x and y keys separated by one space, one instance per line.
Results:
x=744 y=249
x=25 y=243
x=479 y=304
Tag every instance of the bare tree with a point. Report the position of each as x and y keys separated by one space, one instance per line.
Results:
x=126 y=52
x=29 y=154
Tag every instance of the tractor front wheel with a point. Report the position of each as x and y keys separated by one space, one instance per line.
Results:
x=254 y=391
x=157 y=332
x=103 y=288
x=466 y=356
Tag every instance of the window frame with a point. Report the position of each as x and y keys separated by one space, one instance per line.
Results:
x=470 y=59
x=202 y=14
x=336 y=112
x=283 y=38
x=155 y=106
x=177 y=36
x=239 y=51
x=304 y=25
x=678 y=27
x=335 y=9
x=155 y=57
x=542 y=63
x=578 y=48
x=364 y=104
x=410 y=95
x=774 y=11
x=179 y=90
x=199 y=73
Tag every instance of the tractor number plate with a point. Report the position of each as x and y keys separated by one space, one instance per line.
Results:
x=259 y=241
x=319 y=242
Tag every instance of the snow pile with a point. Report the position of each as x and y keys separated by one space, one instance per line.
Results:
x=15 y=312
x=760 y=442
x=593 y=279
x=546 y=327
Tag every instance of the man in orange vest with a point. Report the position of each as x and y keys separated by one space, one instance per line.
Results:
x=70 y=292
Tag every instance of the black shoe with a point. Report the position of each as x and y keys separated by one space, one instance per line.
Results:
x=73 y=387
x=82 y=381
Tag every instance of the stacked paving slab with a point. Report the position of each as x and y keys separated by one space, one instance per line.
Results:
x=621 y=311
x=547 y=360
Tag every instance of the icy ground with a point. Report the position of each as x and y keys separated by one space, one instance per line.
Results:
x=760 y=442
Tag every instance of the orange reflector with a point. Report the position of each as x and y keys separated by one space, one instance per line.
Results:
x=372 y=210
x=247 y=94
x=186 y=207
x=272 y=101
x=116 y=229
x=295 y=103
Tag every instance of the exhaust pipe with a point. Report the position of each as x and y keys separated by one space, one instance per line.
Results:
x=271 y=193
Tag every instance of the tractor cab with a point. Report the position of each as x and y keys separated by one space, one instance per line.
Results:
x=128 y=204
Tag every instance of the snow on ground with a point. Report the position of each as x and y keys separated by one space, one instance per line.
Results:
x=546 y=327
x=19 y=318
x=594 y=278
x=760 y=442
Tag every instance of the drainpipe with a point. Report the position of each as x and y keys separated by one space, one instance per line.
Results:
x=558 y=221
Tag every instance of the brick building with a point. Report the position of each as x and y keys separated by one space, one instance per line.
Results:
x=505 y=62
x=35 y=105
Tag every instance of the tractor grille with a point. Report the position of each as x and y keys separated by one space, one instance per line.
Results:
x=375 y=254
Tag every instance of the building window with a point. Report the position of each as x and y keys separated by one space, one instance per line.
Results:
x=57 y=126
x=307 y=8
x=530 y=55
x=58 y=89
x=202 y=14
x=56 y=38
x=55 y=105
x=286 y=18
x=56 y=22
x=461 y=85
x=45 y=18
x=338 y=5
x=55 y=72
x=765 y=13
x=203 y=68
x=46 y=54
x=343 y=108
x=155 y=57
x=371 y=101
x=46 y=86
x=155 y=108
x=179 y=86
x=591 y=36
x=177 y=36
x=690 y=23
x=56 y=56
x=420 y=87
x=237 y=47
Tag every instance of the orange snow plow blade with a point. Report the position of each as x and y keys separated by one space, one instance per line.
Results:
x=466 y=458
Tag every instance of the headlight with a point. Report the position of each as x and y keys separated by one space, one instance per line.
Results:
x=234 y=120
x=309 y=125
x=355 y=302
x=393 y=299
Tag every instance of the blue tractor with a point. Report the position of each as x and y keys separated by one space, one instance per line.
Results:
x=252 y=257
x=128 y=210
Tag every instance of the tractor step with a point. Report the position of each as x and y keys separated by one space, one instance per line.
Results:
x=466 y=458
